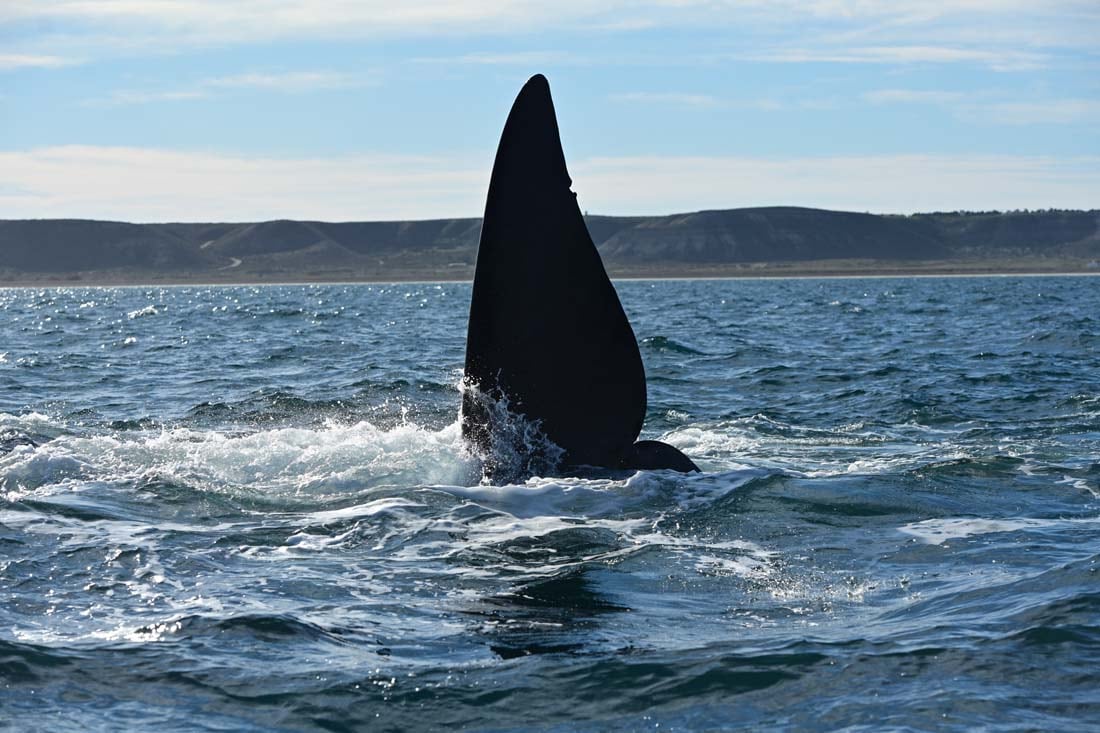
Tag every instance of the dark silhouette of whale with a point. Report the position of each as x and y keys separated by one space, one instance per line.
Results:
x=547 y=335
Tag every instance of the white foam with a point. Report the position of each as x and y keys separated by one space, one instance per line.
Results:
x=25 y=469
x=517 y=445
x=539 y=497
x=938 y=531
x=31 y=422
x=1080 y=484
x=846 y=450
x=286 y=461
x=149 y=310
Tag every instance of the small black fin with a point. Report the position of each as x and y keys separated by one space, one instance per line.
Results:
x=651 y=455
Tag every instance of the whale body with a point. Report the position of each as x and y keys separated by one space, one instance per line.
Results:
x=547 y=335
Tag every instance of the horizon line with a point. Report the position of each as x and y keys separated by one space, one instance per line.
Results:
x=586 y=214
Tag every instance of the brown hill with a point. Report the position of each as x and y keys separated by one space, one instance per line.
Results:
x=696 y=243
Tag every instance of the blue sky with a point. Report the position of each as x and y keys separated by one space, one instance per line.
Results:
x=197 y=110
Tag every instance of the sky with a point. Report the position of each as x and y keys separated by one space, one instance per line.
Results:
x=213 y=110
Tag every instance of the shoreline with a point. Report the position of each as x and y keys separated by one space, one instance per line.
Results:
x=768 y=271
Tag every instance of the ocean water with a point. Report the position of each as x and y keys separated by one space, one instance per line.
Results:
x=249 y=508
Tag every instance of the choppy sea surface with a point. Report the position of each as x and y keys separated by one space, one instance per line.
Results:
x=249 y=508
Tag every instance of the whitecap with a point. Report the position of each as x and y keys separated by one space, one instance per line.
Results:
x=938 y=531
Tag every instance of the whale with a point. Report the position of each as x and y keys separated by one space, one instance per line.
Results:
x=548 y=343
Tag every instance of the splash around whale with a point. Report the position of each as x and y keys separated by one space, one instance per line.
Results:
x=553 y=373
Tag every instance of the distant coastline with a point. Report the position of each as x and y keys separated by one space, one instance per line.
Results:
x=771 y=271
x=733 y=243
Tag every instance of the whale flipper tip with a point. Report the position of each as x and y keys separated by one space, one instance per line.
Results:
x=654 y=455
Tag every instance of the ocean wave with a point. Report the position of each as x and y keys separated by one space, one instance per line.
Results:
x=289 y=463
x=939 y=531
x=658 y=344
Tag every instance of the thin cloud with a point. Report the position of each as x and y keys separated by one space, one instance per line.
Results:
x=141 y=184
x=190 y=22
x=293 y=82
x=912 y=96
x=990 y=110
x=306 y=16
x=150 y=184
x=523 y=58
x=1000 y=34
x=1050 y=112
x=878 y=183
x=124 y=96
x=683 y=99
x=998 y=60
x=33 y=61
x=676 y=99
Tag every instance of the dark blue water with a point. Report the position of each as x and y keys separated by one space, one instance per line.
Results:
x=250 y=509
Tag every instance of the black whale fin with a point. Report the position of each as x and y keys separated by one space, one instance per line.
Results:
x=547 y=332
